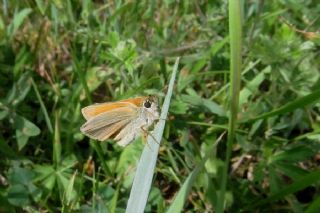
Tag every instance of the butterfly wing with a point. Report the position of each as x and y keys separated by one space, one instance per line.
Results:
x=96 y=109
x=127 y=134
x=113 y=119
x=105 y=132
x=106 y=124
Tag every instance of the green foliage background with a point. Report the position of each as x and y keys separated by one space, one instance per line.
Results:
x=59 y=56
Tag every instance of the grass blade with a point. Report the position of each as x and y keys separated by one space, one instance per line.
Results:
x=43 y=108
x=235 y=79
x=184 y=191
x=56 y=140
x=182 y=195
x=143 y=178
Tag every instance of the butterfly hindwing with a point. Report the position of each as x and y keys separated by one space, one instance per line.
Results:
x=106 y=132
x=108 y=123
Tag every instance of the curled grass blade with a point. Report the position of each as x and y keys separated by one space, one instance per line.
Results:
x=145 y=170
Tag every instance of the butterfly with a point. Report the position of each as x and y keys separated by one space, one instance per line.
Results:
x=122 y=121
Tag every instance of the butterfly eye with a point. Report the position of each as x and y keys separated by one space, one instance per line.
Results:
x=147 y=104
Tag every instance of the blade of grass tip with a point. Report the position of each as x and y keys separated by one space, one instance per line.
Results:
x=144 y=174
x=43 y=108
x=235 y=79
x=184 y=191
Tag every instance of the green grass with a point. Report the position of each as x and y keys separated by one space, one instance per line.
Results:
x=248 y=78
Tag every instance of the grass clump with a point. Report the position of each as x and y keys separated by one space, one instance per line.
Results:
x=59 y=56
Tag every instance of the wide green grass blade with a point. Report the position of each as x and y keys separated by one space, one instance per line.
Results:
x=235 y=31
x=145 y=170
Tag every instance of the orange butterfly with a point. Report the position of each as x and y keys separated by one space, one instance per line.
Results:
x=122 y=120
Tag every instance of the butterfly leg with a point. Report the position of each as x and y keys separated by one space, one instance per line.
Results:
x=161 y=119
x=144 y=139
x=146 y=133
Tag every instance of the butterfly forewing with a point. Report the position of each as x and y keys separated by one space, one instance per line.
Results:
x=96 y=109
x=106 y=132
x=95 y=126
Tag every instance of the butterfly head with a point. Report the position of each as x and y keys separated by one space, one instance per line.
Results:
x=150 y=105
